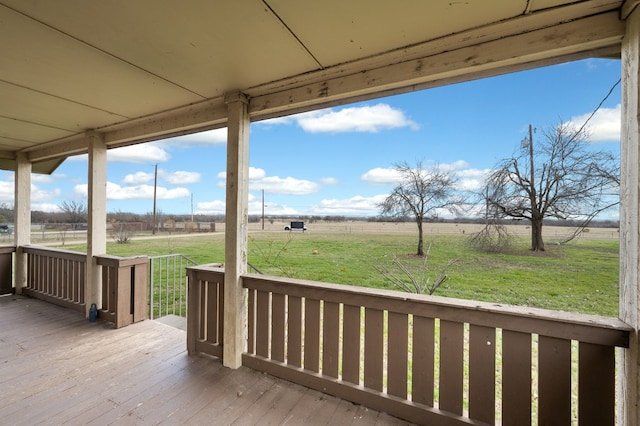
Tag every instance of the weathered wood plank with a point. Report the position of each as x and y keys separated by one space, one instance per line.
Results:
x=451 y=366
x=554 y=381
x=351 y=344
x=482 y=367
x=262 y=324
x=516 y=378
x=423 y=358
x=330 y=339
x=277 y=327
x=373 y=348
x=596 y=385
x=398 y=354
x=312 y=335
x=294 y=331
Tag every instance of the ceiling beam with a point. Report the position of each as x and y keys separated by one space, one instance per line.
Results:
x=588 y=34
x=628 y=7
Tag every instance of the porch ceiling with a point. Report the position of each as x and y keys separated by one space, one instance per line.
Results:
x=147 y=69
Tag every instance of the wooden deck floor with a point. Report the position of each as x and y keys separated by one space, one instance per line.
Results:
x=57 y=368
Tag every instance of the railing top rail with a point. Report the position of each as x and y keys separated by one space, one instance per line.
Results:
x=120 y=262
x=566 y=325
x=55 y=252
x=7 y=249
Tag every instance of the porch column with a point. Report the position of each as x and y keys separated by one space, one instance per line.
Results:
x=97 y=220
x=22 y=218
x=629 y=367
x=237 y=216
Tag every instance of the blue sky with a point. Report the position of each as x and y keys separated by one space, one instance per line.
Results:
x=339 y=161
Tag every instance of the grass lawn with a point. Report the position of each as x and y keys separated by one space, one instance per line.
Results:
x=581 y=276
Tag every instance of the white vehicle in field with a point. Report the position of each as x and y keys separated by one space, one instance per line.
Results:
x=296 y=226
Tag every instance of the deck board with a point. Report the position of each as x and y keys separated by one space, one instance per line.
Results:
x=56 y=368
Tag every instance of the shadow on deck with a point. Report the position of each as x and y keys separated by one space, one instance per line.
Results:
x=56 y=368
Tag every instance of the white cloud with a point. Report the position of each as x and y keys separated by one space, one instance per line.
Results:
x=209 y=137
x=137 y=192
x=45 y=207
x=38 y=194
x=138 y=178
x=382 y=175
x=329 y=181
x=604 y=126
x=258 y=180
x=368 y=118
x=7 y=192
x=210 y=207
x=140 y=153
x=288 y=185
x=354 y=205
x=180 y=177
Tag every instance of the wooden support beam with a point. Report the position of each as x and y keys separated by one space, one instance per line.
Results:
x=237 y=216
x=629 y=367
x=22 y=219
x=97 y=220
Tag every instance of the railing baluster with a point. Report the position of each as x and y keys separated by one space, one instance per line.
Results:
x=516 y=378
x=482 y=367
x=277 y=326
x=262 y=324
x=330 y=339
x=373 y=348
x=398 y=352
x=596 y=385
x=451 y=366
x=212 y=300
x=312 y=335
x=351 y=344
x=294 y=331
x=422 y=371
x=554 y=381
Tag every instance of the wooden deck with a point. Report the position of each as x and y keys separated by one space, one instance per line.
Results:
x=58 y=368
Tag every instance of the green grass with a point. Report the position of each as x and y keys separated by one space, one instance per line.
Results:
x=581 y=276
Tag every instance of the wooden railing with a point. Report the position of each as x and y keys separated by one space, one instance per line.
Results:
x=57 y=276
x=205 y=310
x=124 y=289
x=6 y=269
x=425 y=359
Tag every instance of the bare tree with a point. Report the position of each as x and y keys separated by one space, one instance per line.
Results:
x=421 y=193
x=563 y=177
x=74 y=212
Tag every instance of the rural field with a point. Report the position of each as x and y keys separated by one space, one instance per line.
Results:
x=579 y=276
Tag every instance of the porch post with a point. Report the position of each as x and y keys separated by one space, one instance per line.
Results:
x=629 y=367
x=235 y=246
x=97 y=220
x=22 y=218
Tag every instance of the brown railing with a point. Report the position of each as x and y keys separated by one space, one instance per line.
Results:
x=124 y=289
x=204 y=310
x=57 y=276
x=6 y=269
x=426 y=359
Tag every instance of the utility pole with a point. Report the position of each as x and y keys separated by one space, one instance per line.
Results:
x=263 y=209
x=533 y=187
x=155 y=187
